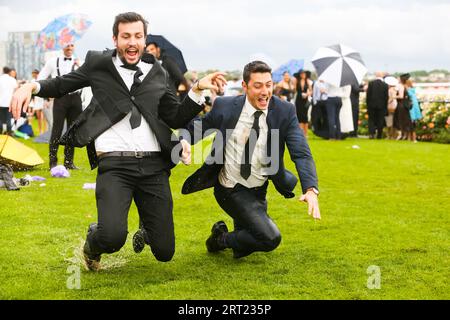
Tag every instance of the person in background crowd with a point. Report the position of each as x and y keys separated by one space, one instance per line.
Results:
x=48 y=113
x=415 y=112
x=233 y=87
x=285 y=88
x=192 y=77
x=37 y=105
x=65 y=108
x=392 y=105
x=7 y=87
x=377 y=100
x=354 y=98
x=13 y=73
x=345 y=115
x=402 y=118
x=319 y=119
x=333 y=106
x=302 y=101
x=178 y=82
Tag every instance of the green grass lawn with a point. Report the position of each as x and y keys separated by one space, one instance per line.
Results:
x=385 y=204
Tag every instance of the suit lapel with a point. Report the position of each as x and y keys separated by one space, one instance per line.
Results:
x=235 y=113
x=155 y=68
x=269 y=118
x=112 y=68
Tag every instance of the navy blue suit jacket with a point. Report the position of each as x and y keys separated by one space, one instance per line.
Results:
x=282 y=116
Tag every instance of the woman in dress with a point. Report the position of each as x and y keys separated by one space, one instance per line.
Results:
x=415 y=112
x=346 y=114
x=37 y=105
x=285 y=88
x=304 y=92
x=392 y=82
x=402 y=118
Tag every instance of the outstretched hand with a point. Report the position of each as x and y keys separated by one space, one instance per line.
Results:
x=313 y=204
x=21 y=99
x=214 y=81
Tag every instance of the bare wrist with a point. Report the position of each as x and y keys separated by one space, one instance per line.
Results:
x=196 y=87
x=313 y=190
x=33 y=87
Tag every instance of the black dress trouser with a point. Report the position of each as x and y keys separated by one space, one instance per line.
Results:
x=254 y=230
x=376 y=121
x=355 y=113
x=5 y=120
x=67 y=108
x=333 y=106
x=119 y=181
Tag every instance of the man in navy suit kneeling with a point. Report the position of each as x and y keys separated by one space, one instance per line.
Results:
x=251 y=133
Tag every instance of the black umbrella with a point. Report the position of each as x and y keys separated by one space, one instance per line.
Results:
x=339 y=65
x=169 y=49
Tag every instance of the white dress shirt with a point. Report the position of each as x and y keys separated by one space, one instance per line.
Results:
x=317 y=95
x=230 y=174
x=7 y=86
x=121 y=137
x=50 y=69
x=334 y=91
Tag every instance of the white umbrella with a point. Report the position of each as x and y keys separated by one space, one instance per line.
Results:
x=339 y=65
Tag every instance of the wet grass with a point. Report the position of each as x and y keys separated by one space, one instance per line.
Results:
x=384 y=204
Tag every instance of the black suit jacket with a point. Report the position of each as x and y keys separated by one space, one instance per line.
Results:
x=377 y=95
x=112 y=101
x=281 y=115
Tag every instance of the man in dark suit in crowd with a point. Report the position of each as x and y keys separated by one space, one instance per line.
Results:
x=127 y=128
x=65 y=108
x=168 y=63
x=248 y=150
x=377 y=100
x=354 y=98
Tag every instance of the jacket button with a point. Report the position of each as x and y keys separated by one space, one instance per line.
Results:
x=132 y=98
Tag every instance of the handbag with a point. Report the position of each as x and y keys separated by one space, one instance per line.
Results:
x=407 y=102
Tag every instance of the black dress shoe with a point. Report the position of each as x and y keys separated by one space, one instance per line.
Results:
x=139 y=240
x=71 y=166
x=240 y=254
x=91 y=260
x=214 y=242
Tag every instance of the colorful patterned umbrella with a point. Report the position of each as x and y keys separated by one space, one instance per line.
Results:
x=62 y=31
x=292 y=66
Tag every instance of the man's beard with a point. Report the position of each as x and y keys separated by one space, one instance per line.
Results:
x=121 y=56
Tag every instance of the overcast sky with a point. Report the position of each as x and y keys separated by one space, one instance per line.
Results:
x=399 y=35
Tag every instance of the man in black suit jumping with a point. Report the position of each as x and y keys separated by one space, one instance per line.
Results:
x=127 y=129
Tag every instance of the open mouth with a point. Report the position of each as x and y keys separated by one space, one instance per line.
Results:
x=263 y=101
x=132 y=53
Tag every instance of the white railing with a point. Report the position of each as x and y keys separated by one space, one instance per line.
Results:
x=433 y=91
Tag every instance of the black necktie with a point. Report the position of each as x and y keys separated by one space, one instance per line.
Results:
x=246 y=166
x=135 y=119
x=65 y=59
